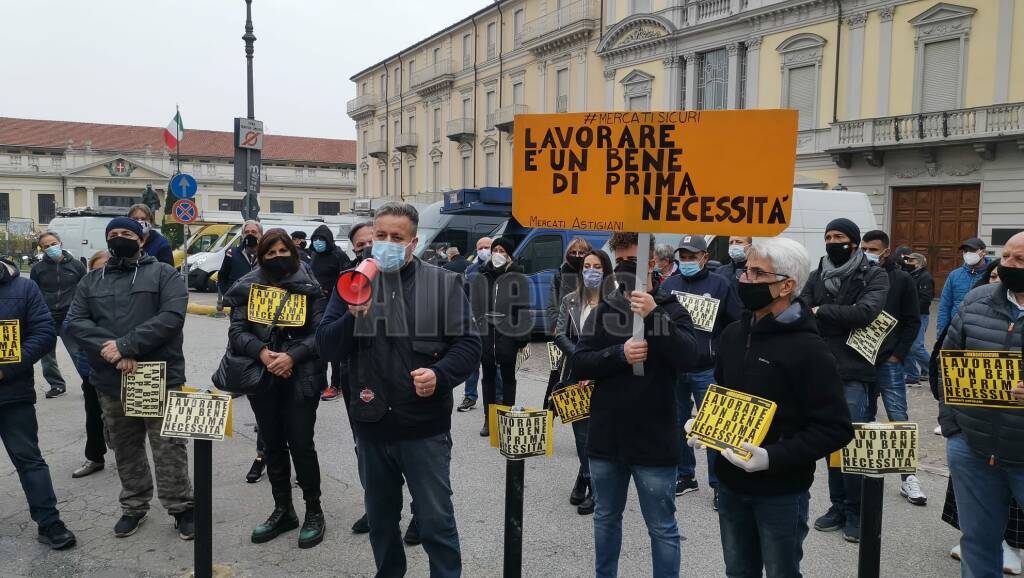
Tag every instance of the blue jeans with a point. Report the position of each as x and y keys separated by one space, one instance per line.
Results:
x=844 y=489
x=655 y=488
x=762 y=532
x=893 y=390
x=916 y=363
x=19 y=431
x=983 y=503
x=693 y=384
x=474 y=380
x=426 y=465
x=580 y=429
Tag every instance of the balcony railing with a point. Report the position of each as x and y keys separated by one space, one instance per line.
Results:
x=929 y=127
x=406 y=142
x=439 y=71
x=712 y=9
x=582 y=15
x=362 y=105
x=377 y=148
x=460 y=129
x=505 y=117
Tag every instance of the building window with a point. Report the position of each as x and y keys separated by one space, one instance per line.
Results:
x=412 y=69
x=5 y=207
x=467 y=51
x=383 y=131
x=328 y=207
x=562 y=90
x=412 y=179
x=435 y=176
x=412 y=123
x=741 y=77
x=398 y=80
x=492 y=36
x=467 y=108
x=801 y=86
x=383 y=181
x=639 y=6
x=117 y=200
x=229 y=204
x=636 y=89
x=713 y=80
x=942 y=32
x=47 y=205
x=940 y=76
x=437 y=125
x=517 y=93
x=383 y=84
x=437 y=55
x=282 y=206
x=398 y=127
x=517 y=27
x=682 y=84
x=467 y=172
x=397 y=174
x=492 y=105
x=490 y=169
x=801 y=75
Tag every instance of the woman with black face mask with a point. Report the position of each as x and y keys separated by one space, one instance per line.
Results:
x=286 y=346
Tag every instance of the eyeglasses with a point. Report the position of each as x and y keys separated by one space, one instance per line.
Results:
x=750 y=274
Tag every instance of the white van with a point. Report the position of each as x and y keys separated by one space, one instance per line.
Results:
x=82 y=236
x=813 y=209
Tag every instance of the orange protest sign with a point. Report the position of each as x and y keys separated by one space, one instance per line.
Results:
x=712 y=172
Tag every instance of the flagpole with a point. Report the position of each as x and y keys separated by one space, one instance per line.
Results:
x=177 y=137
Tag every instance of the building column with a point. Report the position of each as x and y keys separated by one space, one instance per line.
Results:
x=580 y=92
x=855 y=64
x=691 y=80
x=609 y=89
x=542 y=90
x=26 y=205
x=90 y=196
x=734 y=76
x=671 y=82
x=305 y=206
x=1004 y=44
x=69 y=195
x=753 y=69
x=884 y=60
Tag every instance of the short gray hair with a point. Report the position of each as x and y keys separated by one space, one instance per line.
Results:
x=397 y=209
x=258 y=224
x=787 y=258
x=665 y=251
x=39 y=239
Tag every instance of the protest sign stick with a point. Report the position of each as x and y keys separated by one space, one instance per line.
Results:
x=870 y=554
x=203 y=456
x=643 y=255
x=514 y=475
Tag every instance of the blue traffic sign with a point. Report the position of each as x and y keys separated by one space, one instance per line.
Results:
x=185 y=211
x=184 y=186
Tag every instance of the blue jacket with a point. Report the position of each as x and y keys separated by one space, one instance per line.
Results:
x=717 y=287
x=235 y=266
x=158 y=246
x=959 y=283
x=21 y=299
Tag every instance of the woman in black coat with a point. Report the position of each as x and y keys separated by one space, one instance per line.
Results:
x=500 y=295
x=565 y=282
x=286 y=410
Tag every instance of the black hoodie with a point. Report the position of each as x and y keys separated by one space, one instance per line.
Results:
x=785 y=360
x=329 y=264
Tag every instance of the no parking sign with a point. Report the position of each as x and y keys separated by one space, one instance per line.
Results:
x=185 y=211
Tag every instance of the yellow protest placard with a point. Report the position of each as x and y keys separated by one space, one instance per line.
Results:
x=229 y=429
x=264 y=301
x=143 y=392
x=554 y=356
x=572 y=403
x=867 y=340
x=520 y=433
x=980 y=378
x=881 y=448
x=196 y=415
x=717 y=172
x=10 y=341
x=703 y=309
x=727 y=418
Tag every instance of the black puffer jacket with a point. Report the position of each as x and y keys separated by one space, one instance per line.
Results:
x=860 y=300
x=501 y=303
x=58 y=282
x=986 y=321
x=925 y=289
x=901 y=303
x=248 y=338
x=329 y=264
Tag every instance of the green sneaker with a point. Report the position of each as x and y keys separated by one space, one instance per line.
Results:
x=280 y=521
x=313 y=528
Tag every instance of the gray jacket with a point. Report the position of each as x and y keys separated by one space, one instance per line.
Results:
x=139 y=303
x=986 y=321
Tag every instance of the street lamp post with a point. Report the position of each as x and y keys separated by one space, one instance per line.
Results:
x=249 y=39
x=249 y=180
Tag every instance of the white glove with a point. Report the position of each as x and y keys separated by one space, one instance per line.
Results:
x=758 y=458
x=694 y=441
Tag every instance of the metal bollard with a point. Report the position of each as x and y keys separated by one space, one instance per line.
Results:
x=870 y=554
x=514 y=477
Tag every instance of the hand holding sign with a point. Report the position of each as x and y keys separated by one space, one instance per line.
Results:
x=109 y=352
x=635 y=351
x=641 y=303
x=127 y=365
x=1018 y=391
x=425 y=381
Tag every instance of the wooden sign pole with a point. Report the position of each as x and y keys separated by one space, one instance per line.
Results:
x=643 y=257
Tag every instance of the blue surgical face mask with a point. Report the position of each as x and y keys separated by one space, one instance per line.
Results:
x=872 y=258
x=592 y=278
x=319 y=245
x=689 y=268
x=54 y=252
x=737 y=253
x=390 y=256
x=483 y=255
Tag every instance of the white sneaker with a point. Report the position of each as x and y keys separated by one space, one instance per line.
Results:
x=1011 y=562
x=911 y=490
x=955 y=552
x=938 y=430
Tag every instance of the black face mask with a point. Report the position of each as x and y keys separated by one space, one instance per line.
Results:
x=123 y=247
x=755 y=296
x=625 y=275
x=1012 y=278
x=301 y=244
x=278 y=267
x=839 y=253
x=365 y=253
x=907 y=267
x=251 y=241
x=574 y=263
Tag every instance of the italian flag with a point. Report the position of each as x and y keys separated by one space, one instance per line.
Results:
x=175 y=131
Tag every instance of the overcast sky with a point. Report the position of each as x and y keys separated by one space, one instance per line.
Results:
x=130 y=61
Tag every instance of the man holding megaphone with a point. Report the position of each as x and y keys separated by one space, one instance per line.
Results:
x=407 y=331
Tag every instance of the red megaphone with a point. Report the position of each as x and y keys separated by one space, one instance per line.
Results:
x=355 y=286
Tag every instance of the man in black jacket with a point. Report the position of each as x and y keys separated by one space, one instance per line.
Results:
x=456 y=262
x=775 y=352
x=633 y=430
x=916 y=364
x=239 y=260
x=328 y=262
x=846 y=293
x=408 y=348
x=57 y=275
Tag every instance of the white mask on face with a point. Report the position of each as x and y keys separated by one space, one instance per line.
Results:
x=499 y=260
x=972 y=259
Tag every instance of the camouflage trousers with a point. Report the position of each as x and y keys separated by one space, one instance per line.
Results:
x=127 y=437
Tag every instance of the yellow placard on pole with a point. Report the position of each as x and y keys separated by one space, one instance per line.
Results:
x=868 y=340
x=712 y=172
x=881 y=448
x=728 y=418
x=521 y=433
x=980 y=378
x=196 y=415
x=264 y=301
x=703 y=309
x=10 y=341
x=554 y=356
x=572 y=403
x=229 y=428
x=144 y=391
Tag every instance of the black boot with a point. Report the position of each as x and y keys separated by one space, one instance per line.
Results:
x=586 y=507
x=281 y=520
x=313 y=528
x=579 y=491
x=485 y=431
